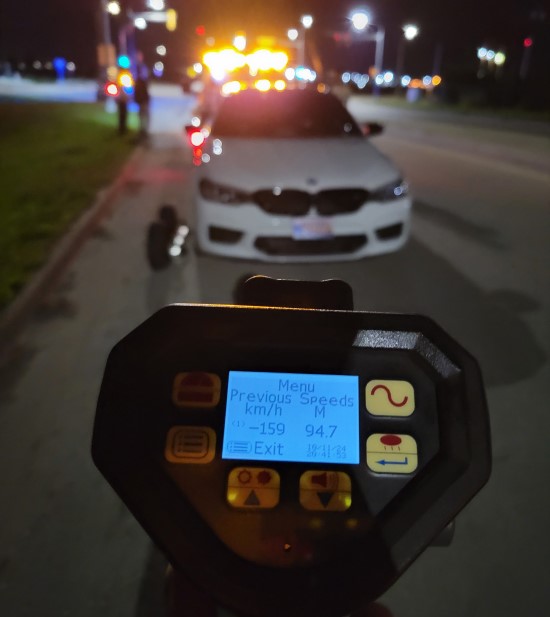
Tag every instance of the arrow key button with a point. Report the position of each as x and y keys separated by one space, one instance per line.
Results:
x=325 y=491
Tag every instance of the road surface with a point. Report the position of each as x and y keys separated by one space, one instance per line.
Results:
x=477 y=263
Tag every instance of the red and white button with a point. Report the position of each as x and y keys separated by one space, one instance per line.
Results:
x=391 y=453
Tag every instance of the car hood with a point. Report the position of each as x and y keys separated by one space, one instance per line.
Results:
x=303 y=164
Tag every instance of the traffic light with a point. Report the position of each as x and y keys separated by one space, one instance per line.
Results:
x=111 y=89
x=200 y=30
x=527 y=41
x=123 y=61
x=171 y=20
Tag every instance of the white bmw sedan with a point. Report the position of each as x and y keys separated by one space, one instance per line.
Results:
x=289 y=176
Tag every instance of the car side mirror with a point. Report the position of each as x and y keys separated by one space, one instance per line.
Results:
x=372 y=129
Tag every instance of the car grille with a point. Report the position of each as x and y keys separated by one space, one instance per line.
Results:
x=291 y=202
x=289 y=246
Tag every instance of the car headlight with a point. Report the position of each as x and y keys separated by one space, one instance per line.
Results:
x=389 y=192
x=224 y=194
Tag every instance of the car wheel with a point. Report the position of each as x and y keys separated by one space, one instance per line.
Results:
x=158 y=241
x=168 y=216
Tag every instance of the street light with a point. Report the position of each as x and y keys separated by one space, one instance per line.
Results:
x=292 y=34
x=239 y=41
x=306 y=21
x=113 y=8
x=360 y=21
x=488 y=60
x=410 y=32
x=156 y=5
x=482 y=53
x=500 y=58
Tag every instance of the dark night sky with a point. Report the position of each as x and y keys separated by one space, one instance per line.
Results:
x=45 y=28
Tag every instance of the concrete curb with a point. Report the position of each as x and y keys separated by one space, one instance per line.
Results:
x=14 y=317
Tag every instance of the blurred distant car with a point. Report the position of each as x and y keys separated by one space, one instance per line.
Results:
x=290 y=176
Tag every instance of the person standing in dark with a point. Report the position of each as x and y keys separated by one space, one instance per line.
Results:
x=124 y=83
x=141 y=94
x=122 y=110
x=142 y=99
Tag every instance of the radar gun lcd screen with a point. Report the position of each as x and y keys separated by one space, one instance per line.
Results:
x=300 y=418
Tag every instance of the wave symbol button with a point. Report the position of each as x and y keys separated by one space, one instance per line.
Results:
x=389 y=397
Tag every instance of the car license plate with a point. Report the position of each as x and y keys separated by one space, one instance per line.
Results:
x=310 y=228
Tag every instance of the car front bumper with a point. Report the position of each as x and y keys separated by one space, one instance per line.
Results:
x=247 y=232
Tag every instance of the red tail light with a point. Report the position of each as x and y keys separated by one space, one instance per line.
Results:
x=111 y=89
x=196 y=138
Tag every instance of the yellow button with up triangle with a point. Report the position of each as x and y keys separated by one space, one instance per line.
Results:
x=253 y=488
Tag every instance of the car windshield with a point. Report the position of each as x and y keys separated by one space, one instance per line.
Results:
x=288 y=114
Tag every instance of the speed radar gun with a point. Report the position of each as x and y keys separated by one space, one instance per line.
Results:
x=289 y=455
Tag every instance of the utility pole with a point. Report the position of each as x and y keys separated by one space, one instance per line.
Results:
x=438 y=59
x=106 y=55
x=526 y=58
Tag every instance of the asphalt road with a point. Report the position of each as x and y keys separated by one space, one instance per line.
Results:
x=477 y=263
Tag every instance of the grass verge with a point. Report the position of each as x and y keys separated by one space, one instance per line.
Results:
x=53 y=160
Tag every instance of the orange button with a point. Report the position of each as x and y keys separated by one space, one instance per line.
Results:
x=190 y=444
x=196 y=389
x=325 y=490
x=253 y=487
